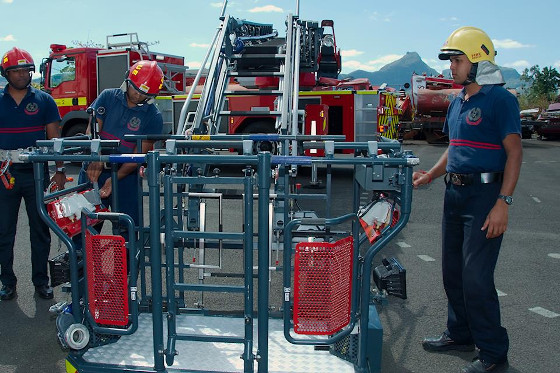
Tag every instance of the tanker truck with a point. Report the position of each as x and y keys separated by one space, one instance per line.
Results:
x=425 y=108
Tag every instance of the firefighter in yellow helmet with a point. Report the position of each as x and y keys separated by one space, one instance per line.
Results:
x=479 y=50
x=481 y=168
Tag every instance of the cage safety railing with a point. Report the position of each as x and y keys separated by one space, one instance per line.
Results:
x=390 y=172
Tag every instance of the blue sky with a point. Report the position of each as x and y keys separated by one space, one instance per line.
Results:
x=370 y=33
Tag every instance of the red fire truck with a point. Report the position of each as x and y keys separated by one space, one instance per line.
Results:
x=353 y=108
x=331 y=106
x=75 y=76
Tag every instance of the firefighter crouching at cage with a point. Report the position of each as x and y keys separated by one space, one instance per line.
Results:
x=481 y=168
x=121 y=111
x=26 y=115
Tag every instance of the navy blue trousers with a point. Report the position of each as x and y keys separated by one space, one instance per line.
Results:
x=469 y=260
x=40 y=237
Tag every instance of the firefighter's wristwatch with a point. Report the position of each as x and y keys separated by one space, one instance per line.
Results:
x=507 y=199
x=60 y=169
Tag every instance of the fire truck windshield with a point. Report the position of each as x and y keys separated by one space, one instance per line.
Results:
x=62 y=70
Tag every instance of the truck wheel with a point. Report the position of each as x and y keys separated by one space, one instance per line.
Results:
x=262 y=127
x=76 y=130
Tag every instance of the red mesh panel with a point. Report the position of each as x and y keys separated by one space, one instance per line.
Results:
x=322 y=286
x=106 y=276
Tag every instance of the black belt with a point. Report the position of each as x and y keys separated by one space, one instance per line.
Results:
x=470 y=179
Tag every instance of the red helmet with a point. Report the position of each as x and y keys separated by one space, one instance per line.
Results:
x=146 y=77
x=16 y=58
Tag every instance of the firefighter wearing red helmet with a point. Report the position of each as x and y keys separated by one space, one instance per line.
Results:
x=121 y=111
x=481 y=167
x=146 y=77
x=26 y=115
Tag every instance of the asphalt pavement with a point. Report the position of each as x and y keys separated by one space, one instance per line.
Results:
x=527 y=279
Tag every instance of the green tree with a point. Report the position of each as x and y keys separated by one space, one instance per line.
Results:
x=542 y=87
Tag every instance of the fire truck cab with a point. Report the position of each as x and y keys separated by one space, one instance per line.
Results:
x=76 y=76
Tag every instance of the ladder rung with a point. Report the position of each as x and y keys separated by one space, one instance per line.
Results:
x=260 y=56
x=255 y=73
x=255 y=113
x=208 y=235
x=209 y=338
x=210 y=287
x=260 y=92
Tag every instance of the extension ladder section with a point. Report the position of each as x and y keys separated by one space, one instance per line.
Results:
x=179 y=237
x=258 y=58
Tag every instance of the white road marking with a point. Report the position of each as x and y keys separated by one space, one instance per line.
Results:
x=500 y=293
x=426 y=258
x=536 y=199
x=544 y=312
x=554 y=255
x=403 y=244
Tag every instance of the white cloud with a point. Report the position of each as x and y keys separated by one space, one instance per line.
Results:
x=8 y=1
x=384 y=60
x=557 y=64
x=449 y=19
x=199 y=45
x=372 y=65
x=193 y=64
x=509 y=44
x=436 y=64
x=216 y=5
x=356 y=65
x=518 y=65
x=7 y=38
x=350 y=53
x=266 y=9
x=375 y=16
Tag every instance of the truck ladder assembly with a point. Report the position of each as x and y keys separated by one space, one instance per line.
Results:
x=253 y=55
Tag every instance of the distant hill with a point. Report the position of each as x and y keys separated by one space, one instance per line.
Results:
x=399 y=72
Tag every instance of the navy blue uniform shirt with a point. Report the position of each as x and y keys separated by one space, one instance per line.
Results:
x=119 y=120
x=476 y=128
x=22 y=125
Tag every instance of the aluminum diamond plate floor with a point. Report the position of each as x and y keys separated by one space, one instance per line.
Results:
x=137 y=349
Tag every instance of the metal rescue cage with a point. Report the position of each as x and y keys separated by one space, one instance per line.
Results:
x=327 y=320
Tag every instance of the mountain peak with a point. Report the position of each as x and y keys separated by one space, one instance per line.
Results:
x=398 y=72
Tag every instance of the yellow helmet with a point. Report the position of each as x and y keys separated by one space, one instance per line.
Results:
x=470 y=41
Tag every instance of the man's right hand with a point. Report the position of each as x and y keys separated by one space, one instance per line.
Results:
x=94 y=170
x=421 y=178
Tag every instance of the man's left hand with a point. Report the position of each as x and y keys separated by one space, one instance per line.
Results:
x=497 y=220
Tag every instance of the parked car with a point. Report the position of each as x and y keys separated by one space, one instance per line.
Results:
x=548 y=122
